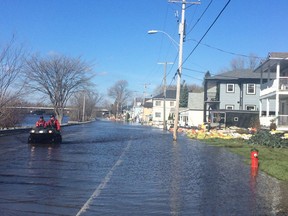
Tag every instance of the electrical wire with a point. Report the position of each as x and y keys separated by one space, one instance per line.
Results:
x=192 y=77
x=200 y=17
x=204 y=35
x=228 y=52
x=207 y=31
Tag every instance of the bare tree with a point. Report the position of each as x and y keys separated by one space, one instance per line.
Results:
x=195 y=88
x=11 y=65
x=237 y=63
x=120 y=93
x=58 y=77
x=85 y=103
x=240 y=63
x=254 y=61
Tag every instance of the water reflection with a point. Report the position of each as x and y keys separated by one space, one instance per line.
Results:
x=175 y=193
x=156 y=176
x=253 y=184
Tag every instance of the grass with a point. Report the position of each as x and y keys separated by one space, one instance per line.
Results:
x=273 y=161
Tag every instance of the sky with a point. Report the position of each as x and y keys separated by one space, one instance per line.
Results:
x=112 y=36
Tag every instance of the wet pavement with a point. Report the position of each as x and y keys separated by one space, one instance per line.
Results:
x=106 y=168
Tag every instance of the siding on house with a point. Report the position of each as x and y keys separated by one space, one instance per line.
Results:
x=195 y=101
x=229 y=98
x=193 y=115
x=251 y=99
x=239 y=99
x=158 y=106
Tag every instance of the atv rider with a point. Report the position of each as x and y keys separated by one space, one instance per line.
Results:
x=53 y=122
x=41 y=122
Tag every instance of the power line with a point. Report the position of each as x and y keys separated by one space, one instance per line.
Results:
x=200 y=17
x=225 y=51
x=207 y=31
x=195 y=70
x=192 y=77
x=205 y=34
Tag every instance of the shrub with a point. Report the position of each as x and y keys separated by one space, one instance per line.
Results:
x=255 y=123
x=264 y=137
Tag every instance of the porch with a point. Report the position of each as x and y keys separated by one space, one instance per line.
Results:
x=274 y=93
x=281 y=121
x=272 y=86
x=274 y=109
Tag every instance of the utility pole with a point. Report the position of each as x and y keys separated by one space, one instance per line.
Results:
x=144 y=93
x=179 y=70
x=164 y=94
x=84 y=101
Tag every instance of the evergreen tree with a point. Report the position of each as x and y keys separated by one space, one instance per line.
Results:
x=207 y=75
x=183 y=95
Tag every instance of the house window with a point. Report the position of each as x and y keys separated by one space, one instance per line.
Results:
x=171 y=103
x=230 y=88
x=251 y=88
x=157 y=103
x=229 y=107
x=251 y=107
x=157 y=114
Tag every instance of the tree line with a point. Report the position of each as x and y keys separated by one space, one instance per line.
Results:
x=58 y=79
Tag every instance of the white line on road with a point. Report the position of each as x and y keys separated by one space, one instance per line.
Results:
x=104 y=182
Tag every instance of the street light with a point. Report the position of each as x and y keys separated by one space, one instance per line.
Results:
x=175 y=44
x=179 y=70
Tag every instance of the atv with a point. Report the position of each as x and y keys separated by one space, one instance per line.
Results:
x=44 y=135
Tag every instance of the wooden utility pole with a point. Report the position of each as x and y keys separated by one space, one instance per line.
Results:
x=180 y=62
x=164 y=94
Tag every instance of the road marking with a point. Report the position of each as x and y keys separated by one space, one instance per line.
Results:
x=104 y=182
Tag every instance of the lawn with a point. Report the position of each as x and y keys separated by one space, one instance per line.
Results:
x=273 y=161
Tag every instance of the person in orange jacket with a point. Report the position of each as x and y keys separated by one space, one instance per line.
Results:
x=53 y=122
x=41 y=122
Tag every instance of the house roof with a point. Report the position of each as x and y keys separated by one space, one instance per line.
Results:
x=236 y=75
x=272 y=60
x=148 y=104
x=196 y=100
x=278 y=55
x=170 y=94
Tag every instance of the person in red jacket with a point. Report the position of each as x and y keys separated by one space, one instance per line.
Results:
x=53 y=122
x=41 y=122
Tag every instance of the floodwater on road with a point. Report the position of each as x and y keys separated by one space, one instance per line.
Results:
x=106 y=168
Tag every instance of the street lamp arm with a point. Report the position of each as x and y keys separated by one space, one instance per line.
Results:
x=174 y=42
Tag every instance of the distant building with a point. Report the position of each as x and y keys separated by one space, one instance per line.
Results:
x=148 y=111
x=160 y=110
x=192 y=116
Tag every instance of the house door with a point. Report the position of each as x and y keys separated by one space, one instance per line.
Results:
x=283 y=114
x=282 y=108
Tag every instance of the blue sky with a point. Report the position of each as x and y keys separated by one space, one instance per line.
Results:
x=113 y=35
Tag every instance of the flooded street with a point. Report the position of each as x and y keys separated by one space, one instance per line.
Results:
x=105 y=168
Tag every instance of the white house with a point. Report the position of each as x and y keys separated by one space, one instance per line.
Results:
x=163 y=107
x=192 y=116
x=274 y=93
